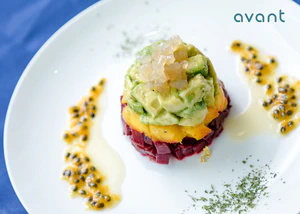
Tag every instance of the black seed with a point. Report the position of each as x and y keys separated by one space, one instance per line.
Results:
x=88 y=199
x=249 y=48
x=282 y=90
x=93 y=168
x=285 y=97
x=83 y=119
x=101 y=205
x=84 y=138
x=107 y=198
x=85 y=171
x=246 y=69
x=270 y=101
x=92 y=114
x=283 y=101
x=271 y=60
x=80 y=165
x=258 y=80
x=74 y=188
x=94 y=203
x=86 y=159
x=290 y=123
x=292 y=90
x=92 y=176
x=289 y=112
x=98 y=180
x=274 y=96
x=67 y=173
x=238 y=44
x=101 y=82
x=286 y=85
x=293 y=97
x=76 y=160
x=76 y=115
x=93 y=107
x=276 y=111
x=76 y=181
x=82 y=192
x=82 y=178
x=279 y=79
x=98 y=194
x=67 y=154
x=253 y=56
x=283 y=129
x=269 y=86
x=91 y=99
x=66 y=136
x=85 y=127
x=258 y=74
x=265 y=104
x=92 y=184
x=294 y=104
x=74 y=134
x=260 y=66
x=75 y=109
x=282 y=107
x=73 y=156
x=93 y=89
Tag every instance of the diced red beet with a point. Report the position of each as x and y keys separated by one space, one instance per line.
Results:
x=150 y=150
x=163 y=158
x=162 y=148
x=148 y=140
x=138 y=138
x=198 y=146
x=177 y=153
x=187 y=149
x=160 y=152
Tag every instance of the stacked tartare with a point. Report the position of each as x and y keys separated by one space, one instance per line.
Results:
x=173 y=103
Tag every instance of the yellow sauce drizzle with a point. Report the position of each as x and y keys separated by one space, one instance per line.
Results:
x=84 y=179
x=281 y=92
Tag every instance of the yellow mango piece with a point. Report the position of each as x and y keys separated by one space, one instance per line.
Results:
x=212 y=114
x=197 y=132
x=133 y=120
x=124 y=98
x=170 y=134
x=221 y=101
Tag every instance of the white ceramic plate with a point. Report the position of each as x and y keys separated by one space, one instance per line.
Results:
x=84 y=50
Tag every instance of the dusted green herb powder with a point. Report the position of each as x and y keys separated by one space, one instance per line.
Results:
x=239 y=197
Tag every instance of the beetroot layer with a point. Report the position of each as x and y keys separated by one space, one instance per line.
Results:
x=161 y=152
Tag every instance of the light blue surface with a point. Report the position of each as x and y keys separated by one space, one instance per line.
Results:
x=25 y=25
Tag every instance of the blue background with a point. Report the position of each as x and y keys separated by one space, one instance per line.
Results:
x=25 y=25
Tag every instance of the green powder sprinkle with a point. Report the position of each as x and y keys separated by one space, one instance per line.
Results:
x=239 y=197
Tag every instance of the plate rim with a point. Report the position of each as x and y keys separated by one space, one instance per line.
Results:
x=48 y=42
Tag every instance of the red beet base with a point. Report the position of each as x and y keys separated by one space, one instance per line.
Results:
x=160 y=152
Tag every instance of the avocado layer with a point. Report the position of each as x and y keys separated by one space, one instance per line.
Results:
x=187 y=106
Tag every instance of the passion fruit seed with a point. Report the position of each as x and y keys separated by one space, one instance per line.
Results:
x=82 y=192
x=289 y=112
x=279 y=79
x=74 y=188
x=269 y=86
x=265 y=104
x=290 y=123
x=283 y=129
x=67 y=154
x=100 y=205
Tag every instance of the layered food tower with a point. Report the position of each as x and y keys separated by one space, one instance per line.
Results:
x=173 y=103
